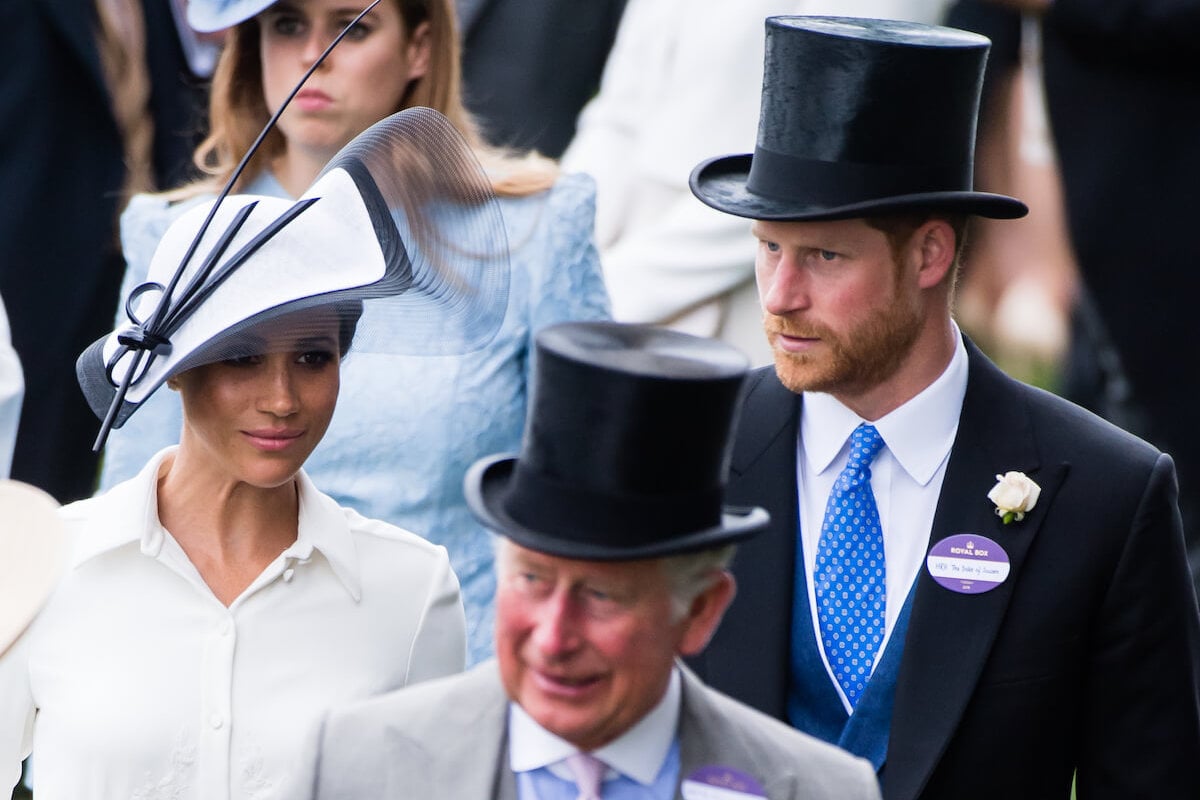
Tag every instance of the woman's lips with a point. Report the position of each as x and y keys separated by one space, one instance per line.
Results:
x=272 y=440
x=312 y=100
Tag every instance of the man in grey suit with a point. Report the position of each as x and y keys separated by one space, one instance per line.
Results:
x=611 y=565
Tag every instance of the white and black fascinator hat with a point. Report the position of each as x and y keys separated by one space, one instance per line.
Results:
x=401 y=226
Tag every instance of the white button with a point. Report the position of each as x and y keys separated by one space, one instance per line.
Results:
x=216 y=720
x=287 y=574
x=226 y=628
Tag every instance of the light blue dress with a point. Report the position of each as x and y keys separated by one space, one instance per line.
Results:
x=407 y=428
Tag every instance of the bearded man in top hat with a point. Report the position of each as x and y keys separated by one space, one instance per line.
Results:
x=974 y=584
x=611 y=564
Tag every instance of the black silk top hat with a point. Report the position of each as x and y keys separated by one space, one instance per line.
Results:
x=626 y=447
x=859 y=117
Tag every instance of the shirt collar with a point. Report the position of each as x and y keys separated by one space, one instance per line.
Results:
x=126 y=513
x=130 y=514
x=638 y=753
x=323 y=527
x=919 y=434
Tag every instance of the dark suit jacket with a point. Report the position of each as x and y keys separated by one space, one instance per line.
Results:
x=529 y=66
x=61 y=169
x=1123 y=94
x=1087 y=656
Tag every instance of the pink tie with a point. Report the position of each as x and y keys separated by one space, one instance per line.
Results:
x=588 y=772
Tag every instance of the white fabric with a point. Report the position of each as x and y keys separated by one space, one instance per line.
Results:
x=638 y=753
x=682 y=84
x=146 y=686
x=12 y=390
x=906 y=477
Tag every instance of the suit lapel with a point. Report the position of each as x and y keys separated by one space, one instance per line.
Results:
x=753 y=657
x=706 y=739
x=950 y=635
x=465 y=757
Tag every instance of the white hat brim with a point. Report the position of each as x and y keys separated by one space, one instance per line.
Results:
x=33 y=556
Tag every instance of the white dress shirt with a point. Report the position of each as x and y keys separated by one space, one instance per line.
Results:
x=638 y=753
x=135 y=682
x=12 y=389
x=906 y=478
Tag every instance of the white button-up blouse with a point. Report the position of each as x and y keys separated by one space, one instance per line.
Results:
x=136 y=682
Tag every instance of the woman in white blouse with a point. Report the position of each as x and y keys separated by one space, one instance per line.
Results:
x=217 y=603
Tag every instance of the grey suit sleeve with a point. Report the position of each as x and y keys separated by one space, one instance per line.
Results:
x=349 y=764
x=362 y=757
x=845 y=779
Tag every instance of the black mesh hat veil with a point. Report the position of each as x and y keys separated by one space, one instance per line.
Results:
x=399 y=242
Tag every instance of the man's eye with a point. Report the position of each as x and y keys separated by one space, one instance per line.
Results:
x=600 y=604
x=529 y=580
x=772 y=247
x=828 y=255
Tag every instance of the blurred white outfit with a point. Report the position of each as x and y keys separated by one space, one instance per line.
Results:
x=12 y=389
x=135 y=682
x=682 y=84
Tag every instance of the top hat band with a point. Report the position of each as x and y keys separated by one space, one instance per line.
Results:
x=575 y=512
x=779 y=175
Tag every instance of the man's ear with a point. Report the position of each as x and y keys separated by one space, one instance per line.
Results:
x=933 y=245
x=706 y=612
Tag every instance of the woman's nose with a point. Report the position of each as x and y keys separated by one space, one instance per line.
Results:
x=314 y=45
x=278 y=396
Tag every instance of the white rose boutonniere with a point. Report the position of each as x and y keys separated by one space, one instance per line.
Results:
x=1014 y=494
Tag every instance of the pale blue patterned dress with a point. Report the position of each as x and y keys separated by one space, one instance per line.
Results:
x=406 y=427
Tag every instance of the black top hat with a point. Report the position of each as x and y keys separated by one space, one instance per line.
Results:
x=859 y=117
x=626 y=448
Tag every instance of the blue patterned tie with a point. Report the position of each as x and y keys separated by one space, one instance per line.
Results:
x=849 y=574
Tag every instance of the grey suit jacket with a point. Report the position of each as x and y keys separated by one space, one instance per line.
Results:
x=448 y=739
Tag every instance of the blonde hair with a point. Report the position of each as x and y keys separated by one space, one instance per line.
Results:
x=238 y=110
